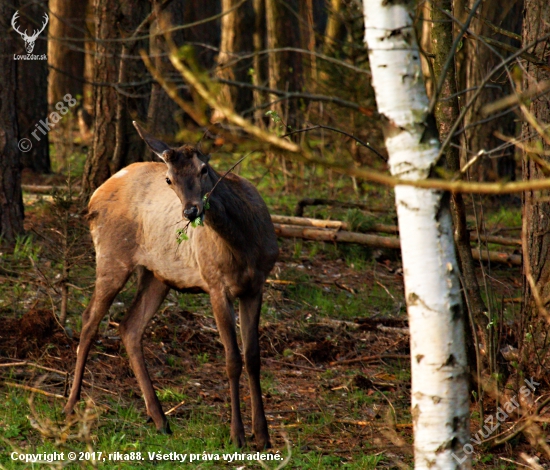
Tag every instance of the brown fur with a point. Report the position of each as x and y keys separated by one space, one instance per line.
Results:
x=133 y=219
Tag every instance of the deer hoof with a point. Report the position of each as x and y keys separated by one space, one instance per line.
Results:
x=165 y=429
x=68 y=410
x=239 y=440
x=262 y=443
x=261 y=437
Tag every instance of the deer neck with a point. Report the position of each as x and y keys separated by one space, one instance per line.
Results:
x=229 y=217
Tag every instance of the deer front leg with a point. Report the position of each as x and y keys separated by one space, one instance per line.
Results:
x=249 y=308
x=107 y=287
x=225 y=321
x=150 y=294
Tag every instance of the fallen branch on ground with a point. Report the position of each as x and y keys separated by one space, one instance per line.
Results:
x=335 y=224
x=46 y=189
x=296 y=231
x=328 y=235
x=379 y=228
x=377 y=357
x=296 y=366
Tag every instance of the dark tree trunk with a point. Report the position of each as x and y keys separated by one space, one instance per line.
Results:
x=307 y=37
x=89 y=60
x=446 y=113
x=236 y=38
x=259 y=62
x=97 y=168
x=65 y=56
x=205 y=33
x=334 y=32
x=11 y=201
x=536 y=208
x=284 y=67
x=132 y=101
x=32 y=90
x=164 y=117
x=476 y=61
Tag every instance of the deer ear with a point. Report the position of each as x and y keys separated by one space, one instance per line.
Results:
x=157 y=146
x=203 y=158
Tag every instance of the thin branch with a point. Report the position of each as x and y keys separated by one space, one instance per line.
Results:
x=483 y=121
x=495 y=28
x=535 y=124
x=451 y=58
x=294 y=94
x=507 y=47
x=157 y=33
x=224 y=175
x=299 y=50
x=34 y=390
x=172 y=92
x=503 y=63
x=368 y=175
x=320 y=126
x=540 y=89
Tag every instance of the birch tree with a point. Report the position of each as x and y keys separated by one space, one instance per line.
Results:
x=440 y=404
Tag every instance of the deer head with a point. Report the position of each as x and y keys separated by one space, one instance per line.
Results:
x=187 y=173
x=29 y=40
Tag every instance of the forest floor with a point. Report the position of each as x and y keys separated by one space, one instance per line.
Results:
x=335 y=358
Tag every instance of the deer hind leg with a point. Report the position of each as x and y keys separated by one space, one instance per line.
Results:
x=249 y=309
x=225 y=321
x=108 y=284
x=150 y=294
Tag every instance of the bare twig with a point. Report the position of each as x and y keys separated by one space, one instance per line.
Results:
x=296 y=95
x=33 y=389
x=296 y=366
x=495 y=28
x=320 y=126
x=376 y=357
x=451 y=58
x=174 y=408
x=510 y=100
x=32 y=364
x=369 y=175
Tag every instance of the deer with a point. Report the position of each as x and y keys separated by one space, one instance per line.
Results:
x=29 y=40
x=228 y=255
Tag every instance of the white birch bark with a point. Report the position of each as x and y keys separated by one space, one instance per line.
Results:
x=440 y=402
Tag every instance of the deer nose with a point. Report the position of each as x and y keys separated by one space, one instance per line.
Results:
x=191 y=213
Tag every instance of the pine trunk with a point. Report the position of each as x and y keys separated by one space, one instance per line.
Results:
x=446 y=113
x=32 y=91
x=132 y=101
x=259 y=64
x=440 y=401
x=11 y=201
x=65 y=56
x=97 y=168
x=536 y=208
x=236 y=38
x=204 y=33
x=284 y=67
x=476 y=60
x=334 y=29
x=164 y=117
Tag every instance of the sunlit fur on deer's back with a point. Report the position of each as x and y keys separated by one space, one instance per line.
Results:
x=134 y=217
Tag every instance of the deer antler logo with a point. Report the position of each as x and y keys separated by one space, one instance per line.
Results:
x=29 y=40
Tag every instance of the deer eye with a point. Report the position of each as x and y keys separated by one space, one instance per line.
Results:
x=168 y=181
x=204 y=170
